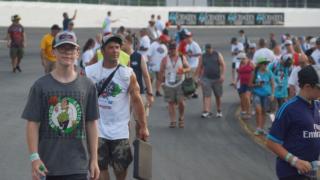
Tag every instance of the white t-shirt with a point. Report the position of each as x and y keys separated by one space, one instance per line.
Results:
x=156 y=53
x=293 y=79
x=160 y=25
x=87 y=56
x=194 y=49
x=236 y=48
x=145 y=43
x=264 y=53
x=114 y=104
x=107 y=25
x=276 y=58
x=316 y=56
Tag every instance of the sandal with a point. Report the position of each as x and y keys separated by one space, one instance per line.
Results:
x=172 y=124
x=181 y=122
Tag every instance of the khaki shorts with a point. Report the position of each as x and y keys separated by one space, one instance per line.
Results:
x=116 y=153
x=16 y=53
x=173 y=94
x=209 y=85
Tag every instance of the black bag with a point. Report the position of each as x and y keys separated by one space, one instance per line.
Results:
x=189 y=86
x=106 y=82
x=142 y=160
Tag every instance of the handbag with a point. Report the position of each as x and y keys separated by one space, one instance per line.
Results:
x=106 y=82
x=189 y=86
x=142 y=160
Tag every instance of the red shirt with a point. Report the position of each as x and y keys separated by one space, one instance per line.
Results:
x=16 y=34
x=245 y=73
x=182 y=49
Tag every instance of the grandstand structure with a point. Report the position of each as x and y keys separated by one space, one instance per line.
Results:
x=215 y=3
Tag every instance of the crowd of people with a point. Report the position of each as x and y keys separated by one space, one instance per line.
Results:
x=118 y=70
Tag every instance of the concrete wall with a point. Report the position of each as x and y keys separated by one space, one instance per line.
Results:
x=186 y=2
x=37 y=14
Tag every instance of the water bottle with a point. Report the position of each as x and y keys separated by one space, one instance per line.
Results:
x=314 y=170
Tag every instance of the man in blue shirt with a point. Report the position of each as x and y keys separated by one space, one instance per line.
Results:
x=295 y=135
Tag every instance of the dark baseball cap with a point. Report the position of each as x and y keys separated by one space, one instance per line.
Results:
x=112 y=38
x=208 y=46
x=310 y=75
x=55 y=27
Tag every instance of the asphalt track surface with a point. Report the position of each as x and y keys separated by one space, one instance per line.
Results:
x=206 y=149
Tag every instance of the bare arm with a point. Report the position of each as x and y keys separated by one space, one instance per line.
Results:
x=162 y=69
x=147 y=81
x=186 y=67
x=138 y=107
x=8 y=39
x=42 y=55
x=74 y=15
x=92 y=132
x=281 y=152
x=199 y=68
x=32 y=133
x=222 y=67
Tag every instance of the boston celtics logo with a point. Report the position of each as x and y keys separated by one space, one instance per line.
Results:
x=64 y=114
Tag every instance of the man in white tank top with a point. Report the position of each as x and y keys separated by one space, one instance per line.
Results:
x=172 y=71
x=114 y=106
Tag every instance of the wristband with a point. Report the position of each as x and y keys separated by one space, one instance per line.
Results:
x=294 y=161
x=34 y=157
x=288 y=156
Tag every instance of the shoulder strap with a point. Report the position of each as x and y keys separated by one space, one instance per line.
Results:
x=106 y=82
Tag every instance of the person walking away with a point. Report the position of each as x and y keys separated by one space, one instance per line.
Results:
x=292 y=136
x=114 y=99
x=263 y=93
x=211 y=70
x=48 y=59
x=245 y=72
x=16 y=41
x=172 y=70
x=61 y=114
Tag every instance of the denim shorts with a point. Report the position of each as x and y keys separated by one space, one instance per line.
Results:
x=263 y=101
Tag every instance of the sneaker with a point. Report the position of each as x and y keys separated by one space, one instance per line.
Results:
x=194 y=96
x=259 y=132
x=219 y=115
x=206 y=114
x=18 y=68
x=158 y=94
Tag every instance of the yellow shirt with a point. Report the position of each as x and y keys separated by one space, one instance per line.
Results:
x=46 y=45
x=124 y=58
